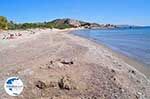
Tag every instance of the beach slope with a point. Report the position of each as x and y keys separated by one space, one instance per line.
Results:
x=54 y=64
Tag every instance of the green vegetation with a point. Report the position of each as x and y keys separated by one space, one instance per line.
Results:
x=4 y=24
x=58 y=24
x=63 y=26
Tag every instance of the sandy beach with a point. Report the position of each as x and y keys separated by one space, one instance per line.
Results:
x=55 y=64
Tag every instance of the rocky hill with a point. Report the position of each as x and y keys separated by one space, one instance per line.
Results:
x=78 y=23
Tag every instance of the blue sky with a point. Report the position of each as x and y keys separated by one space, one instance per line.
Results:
x=135 y=12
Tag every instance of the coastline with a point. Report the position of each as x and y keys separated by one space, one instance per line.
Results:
x=88 y=69
x=129 y=60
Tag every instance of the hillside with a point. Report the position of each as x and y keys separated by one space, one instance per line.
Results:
x=57 y=23
x=78 y=23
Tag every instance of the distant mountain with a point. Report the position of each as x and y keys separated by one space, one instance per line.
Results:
x=71 y=22
x=77 y=23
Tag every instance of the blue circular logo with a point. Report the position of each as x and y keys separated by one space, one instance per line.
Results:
x=13 y=86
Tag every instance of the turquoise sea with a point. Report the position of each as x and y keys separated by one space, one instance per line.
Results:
x=134 y=43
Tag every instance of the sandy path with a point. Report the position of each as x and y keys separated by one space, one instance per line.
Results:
x=83 y=68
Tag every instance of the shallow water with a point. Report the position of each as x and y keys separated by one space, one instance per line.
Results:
x=134 y=43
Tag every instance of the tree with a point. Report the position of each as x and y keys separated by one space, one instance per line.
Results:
x=59 y=24
x=3 y=22
x=12 y=25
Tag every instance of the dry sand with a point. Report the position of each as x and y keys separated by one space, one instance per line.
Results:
x=54 y=64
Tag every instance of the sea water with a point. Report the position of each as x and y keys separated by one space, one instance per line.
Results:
x=134 y=43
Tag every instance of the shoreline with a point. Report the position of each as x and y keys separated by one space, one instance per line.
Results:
x=85 y=69
x=129 y=60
